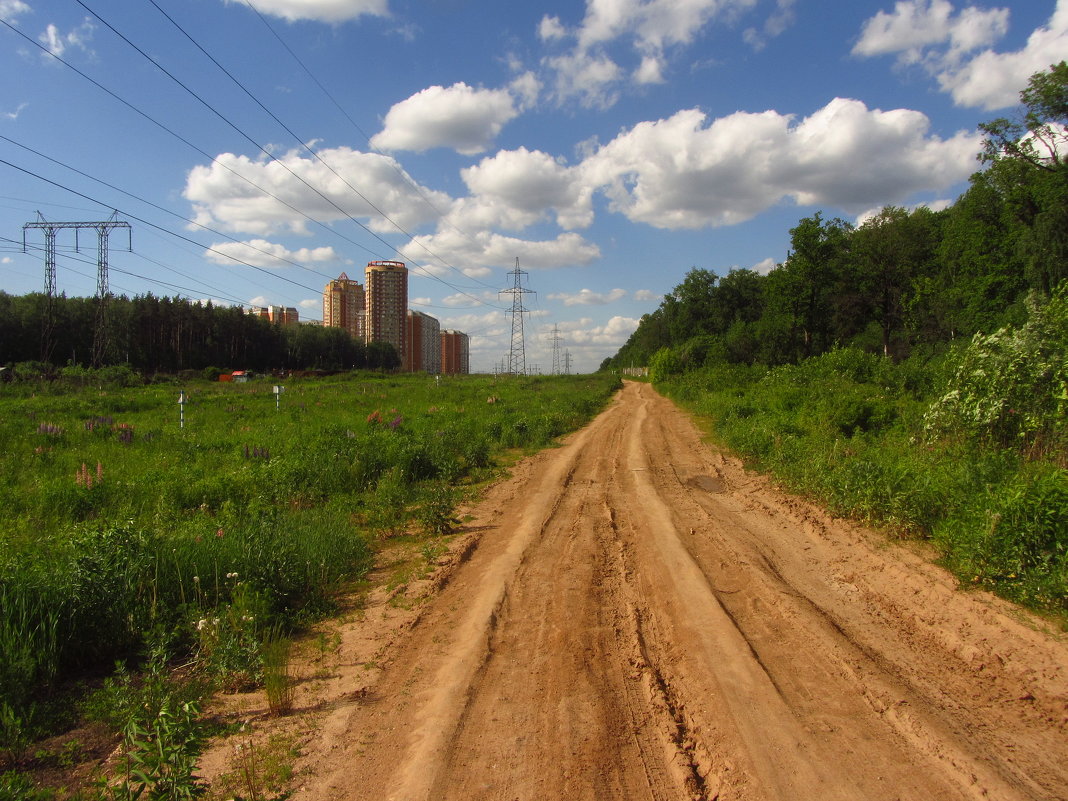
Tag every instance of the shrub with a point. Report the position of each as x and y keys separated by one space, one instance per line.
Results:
x=664 y=364
x=1010 y=388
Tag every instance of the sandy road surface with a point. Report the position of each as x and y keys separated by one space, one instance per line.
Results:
x=638 y=618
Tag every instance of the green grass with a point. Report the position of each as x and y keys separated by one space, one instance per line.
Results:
x=847 y=429
x=118 y=529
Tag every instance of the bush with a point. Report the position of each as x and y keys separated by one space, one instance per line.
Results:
x=664 y=364
x=1010 y=389
x=1015 y=537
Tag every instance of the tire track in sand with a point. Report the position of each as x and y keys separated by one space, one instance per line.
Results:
x=642 y=619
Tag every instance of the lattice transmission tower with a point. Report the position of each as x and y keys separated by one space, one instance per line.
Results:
x=517 y=357
x=103 y=231
x=556 y=339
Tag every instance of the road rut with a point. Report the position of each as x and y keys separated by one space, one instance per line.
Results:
x=637 y=617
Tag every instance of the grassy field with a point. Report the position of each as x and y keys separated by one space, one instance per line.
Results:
x=123 y=534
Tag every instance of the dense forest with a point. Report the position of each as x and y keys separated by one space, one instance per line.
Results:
x=900 y=282
x=153 y=334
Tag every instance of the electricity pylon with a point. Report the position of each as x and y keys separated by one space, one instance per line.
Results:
x=517 y=357
x=556 y=339
x=103 y=230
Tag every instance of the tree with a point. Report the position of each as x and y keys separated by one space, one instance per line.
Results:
x=1028 y=158
x=809 y=280
x=891 y=250
x=1039 y=137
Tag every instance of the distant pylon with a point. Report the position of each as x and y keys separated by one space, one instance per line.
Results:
x=567 y=362
x=555 y=338
x=517 y=357
x=103 y=230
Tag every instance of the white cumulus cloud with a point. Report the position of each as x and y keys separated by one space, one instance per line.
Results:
x=459 y=117
x=587 y=297
x=614 y=332
x=57 y=43
x=332 y=11
x=651 y=29
x=915 y=25
x=486 y=249
x=687 y=172
x=521 y=185
x=261 y=253
x=239 y=194
x=764 y=266
x=956 y=47
x=10 y=10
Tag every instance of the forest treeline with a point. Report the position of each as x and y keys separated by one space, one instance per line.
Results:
x=160 y=334
x=900 y=282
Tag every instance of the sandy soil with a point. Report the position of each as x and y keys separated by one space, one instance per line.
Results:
x=634 y=616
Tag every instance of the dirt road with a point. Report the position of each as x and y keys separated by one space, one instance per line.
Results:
x=636 y=617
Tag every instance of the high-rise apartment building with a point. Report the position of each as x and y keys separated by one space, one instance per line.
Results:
x=343 y=305
x=455 y=354
x=283 y=315
x=422 y=343
x=386 y=299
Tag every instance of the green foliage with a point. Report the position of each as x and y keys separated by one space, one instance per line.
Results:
x=664 y=364
x=228 y=645
x=436 y=512
x=1014 y=538
x=119 y=529
x=1010 y=389
x=848 y=429
x=159 y=757
x=277 y=682
x=162 y=735
x=15 y=786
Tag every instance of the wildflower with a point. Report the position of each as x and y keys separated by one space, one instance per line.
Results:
x=196 y=579
x=201 y=624
x=219 y=533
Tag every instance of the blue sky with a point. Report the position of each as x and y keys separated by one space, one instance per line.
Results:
x=609 y=145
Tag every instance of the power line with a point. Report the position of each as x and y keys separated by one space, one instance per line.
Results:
x=157 y=227
x=219 y=294
x=404 y=176
x=185 y=141
x=256 y=144
x=160 y=208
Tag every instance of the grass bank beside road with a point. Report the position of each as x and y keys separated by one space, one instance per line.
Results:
x=968 y=450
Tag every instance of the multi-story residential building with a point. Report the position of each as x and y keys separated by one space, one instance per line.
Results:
x=422 y=343
x=455 y=353
x=386 y=299
x=343 y=305
x=283 y=315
